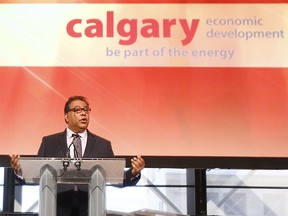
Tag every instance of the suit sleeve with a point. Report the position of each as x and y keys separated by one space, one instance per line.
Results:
x=130 y=180
x=41 y=151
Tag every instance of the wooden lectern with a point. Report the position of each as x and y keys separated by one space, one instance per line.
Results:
x=48 y=172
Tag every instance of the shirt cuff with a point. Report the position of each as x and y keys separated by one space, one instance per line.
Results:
x=19 y=174
x=134 y=178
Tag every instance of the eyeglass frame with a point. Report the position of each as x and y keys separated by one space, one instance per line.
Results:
x=86 y=109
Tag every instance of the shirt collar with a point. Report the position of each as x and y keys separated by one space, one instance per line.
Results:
x=70 y=132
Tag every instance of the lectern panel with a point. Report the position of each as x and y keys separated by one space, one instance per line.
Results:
x=73 y=171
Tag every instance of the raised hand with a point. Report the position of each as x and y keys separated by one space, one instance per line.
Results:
x=138 y=164
x=15 y=164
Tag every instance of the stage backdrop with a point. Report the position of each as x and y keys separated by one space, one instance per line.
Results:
x=207 y=78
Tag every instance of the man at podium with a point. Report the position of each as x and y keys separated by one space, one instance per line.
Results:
x=78 y=142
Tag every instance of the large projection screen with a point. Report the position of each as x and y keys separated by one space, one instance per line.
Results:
x=163 y=79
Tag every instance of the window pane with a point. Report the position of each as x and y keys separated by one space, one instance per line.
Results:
x=26 y=198
x=1 y=187
x=257 y=178
x=159 y=190
x=247 y=192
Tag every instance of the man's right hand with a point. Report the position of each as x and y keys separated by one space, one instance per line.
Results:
x=15 y=164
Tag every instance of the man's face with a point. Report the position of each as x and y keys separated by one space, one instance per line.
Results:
x=77 y=122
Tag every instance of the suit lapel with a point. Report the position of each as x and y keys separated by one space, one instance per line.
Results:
x=89 y=145
x=63 y=142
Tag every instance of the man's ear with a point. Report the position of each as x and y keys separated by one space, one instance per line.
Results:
x=66 y=118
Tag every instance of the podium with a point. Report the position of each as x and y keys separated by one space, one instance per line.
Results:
x=96 y=173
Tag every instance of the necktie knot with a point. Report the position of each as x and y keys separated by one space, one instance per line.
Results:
x=75 y=135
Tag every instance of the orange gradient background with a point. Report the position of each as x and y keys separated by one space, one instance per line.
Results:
x=152 y=111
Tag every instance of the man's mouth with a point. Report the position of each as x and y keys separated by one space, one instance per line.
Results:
x=83 y=121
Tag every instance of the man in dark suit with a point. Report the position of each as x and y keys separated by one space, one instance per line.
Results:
x=71 y=201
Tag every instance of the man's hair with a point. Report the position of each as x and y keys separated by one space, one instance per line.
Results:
x=73 y=98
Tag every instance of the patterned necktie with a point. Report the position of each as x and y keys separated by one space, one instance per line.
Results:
x=78 y=145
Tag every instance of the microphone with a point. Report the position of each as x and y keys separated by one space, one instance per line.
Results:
x=78 y=162
x=68 y=156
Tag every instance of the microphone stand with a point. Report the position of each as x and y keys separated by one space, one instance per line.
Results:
x=66 y=161
x=78 y=160
x=77 y=163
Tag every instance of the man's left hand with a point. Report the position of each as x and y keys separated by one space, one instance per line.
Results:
x=138 y=164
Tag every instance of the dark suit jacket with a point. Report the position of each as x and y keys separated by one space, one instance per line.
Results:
x=55 y=145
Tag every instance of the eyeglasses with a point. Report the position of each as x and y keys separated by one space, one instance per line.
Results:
x=79 y=109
